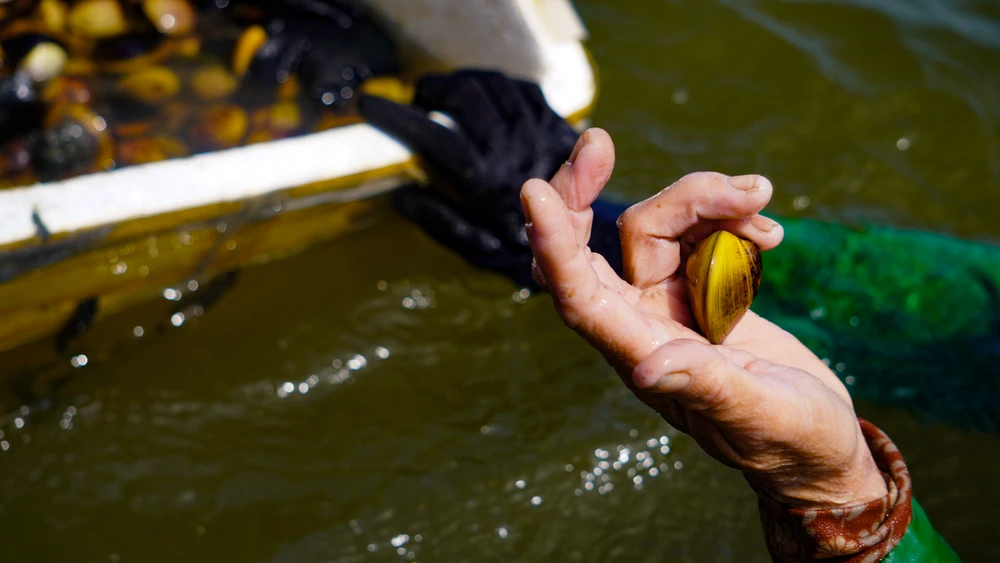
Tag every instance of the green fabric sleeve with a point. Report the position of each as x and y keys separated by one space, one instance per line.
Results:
x=921 y=543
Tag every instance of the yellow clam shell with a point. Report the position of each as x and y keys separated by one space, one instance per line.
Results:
x=252 y=39
x=213 y=82
x=723 y=276
x=171 y=17
x=97 y=19
x=151 y=85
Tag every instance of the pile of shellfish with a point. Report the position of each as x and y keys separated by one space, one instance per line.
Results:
x=93 y=85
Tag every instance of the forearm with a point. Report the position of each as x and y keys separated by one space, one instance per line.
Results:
x=891 y=529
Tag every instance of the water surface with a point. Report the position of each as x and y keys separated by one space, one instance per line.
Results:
x=375 y=399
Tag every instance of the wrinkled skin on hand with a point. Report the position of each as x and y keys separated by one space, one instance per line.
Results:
x=761 y=402
x=505 y=134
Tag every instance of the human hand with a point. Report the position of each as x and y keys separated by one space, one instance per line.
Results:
x=762 y=402
x=505 y=134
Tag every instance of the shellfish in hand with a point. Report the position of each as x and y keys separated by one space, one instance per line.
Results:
x=723 y=274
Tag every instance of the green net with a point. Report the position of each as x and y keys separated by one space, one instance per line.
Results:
x=904 y=317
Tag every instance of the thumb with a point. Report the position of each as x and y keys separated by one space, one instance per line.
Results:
x=699 y=376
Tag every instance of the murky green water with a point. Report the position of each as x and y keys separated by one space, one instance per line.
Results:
x=475 y=437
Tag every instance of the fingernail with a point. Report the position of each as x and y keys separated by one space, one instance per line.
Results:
x=580 y=143
x=748 y=182
x=532 y=191
x=762 y=223
x=671 y=383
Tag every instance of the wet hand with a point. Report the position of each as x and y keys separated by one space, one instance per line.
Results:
x=762 y=402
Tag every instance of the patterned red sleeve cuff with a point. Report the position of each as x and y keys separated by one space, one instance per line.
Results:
x=864 y=533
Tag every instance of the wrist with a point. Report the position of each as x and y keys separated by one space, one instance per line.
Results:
x=854 y=483
x=862 y=531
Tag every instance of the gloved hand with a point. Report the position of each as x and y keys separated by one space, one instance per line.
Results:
x=506 y=134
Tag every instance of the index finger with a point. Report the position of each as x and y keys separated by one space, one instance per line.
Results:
x=694 y=206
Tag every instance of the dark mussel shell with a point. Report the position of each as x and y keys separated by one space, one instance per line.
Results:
x=75 y=141
x=20 y=109
x=132 y=51
x=339 y=13
x=11 y=10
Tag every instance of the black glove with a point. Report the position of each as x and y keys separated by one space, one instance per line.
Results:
x=506 y=135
